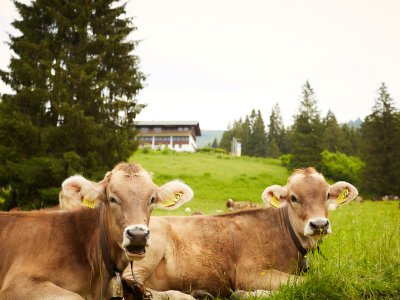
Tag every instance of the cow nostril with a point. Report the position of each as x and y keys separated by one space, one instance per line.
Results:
x=138 y=237
x=319 y=225
x=313 y=225
x=130 y=233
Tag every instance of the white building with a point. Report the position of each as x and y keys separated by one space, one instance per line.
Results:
x=176 y=135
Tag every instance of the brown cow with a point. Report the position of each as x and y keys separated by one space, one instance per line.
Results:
x=236 y=205
x=255 y=249
x=74 y=254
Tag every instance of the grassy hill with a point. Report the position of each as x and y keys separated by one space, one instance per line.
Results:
x=213 y=178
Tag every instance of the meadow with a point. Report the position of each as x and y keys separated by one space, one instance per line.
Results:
x=359 y=260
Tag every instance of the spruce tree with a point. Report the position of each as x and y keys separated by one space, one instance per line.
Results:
x=259 y=137
x=75 y=83
x=306 y=135
x=226 y=139
x=276 y=133
x=245 y=132
x=333 y=139
x=351 y=140
x=380 y=149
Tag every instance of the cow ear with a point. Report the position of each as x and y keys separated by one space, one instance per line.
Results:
x=173 y=194
x=77 y=191
x=274 y=195
x=342 y=192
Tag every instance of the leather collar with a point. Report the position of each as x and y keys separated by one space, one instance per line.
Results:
x=111 y=267
x=293 y=235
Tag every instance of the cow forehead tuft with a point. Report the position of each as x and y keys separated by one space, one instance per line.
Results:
x=128 y=168
x=299 y=174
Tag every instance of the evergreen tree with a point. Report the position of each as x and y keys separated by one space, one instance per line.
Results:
x=233 y=131
x=333 y=139
x=259 y=137
x=226 y=139
x=380 y=149
x=75 y=81
x=276 y=133
x=306 y=135
x=245 y=134
x=351 y=140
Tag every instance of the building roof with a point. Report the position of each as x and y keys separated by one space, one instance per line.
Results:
x=171 y=123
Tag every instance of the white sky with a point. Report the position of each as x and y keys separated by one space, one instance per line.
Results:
x=214 y=60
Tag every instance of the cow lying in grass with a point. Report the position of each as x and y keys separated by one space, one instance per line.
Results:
x=74 y=254
x=257 y=249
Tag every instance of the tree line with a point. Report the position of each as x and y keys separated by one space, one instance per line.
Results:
x=368 y=155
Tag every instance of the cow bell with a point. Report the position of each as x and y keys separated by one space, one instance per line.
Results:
x=115 y=287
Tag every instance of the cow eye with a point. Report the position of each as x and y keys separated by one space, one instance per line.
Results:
x=293 y=198
x=153 y=200
x=328 y=196
x=113 y=200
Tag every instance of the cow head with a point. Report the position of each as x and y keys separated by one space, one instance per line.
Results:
x=128 y=196
x=308 y=196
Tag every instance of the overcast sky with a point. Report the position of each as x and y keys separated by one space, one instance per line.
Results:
x=214 y=60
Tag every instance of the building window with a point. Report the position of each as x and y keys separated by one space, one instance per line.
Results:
x=181 y=139
x=162 y=139
x=145 y=138
x=157 y=129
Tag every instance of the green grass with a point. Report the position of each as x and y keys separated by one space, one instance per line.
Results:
x=213 y=178
x=363 y=256
x=363 y=252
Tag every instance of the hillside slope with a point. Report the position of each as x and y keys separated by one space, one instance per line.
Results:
x=213 y=178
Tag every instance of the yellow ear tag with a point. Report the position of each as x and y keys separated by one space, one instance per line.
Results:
x=275 y=202
x=342 y=196
x=89 y=202
x=173 y=200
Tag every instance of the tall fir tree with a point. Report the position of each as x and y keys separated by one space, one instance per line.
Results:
x=245 y=133
x=275 y=133
x=250 y=132
x=259 y=137
x=306 y=135
x=226 y=139
x=380 y=134
x=352 y=140
x=75 y=82
x=233 y=131
x=333 y=139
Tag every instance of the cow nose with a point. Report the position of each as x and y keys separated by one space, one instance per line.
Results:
x=319 y=225
x=138 y=236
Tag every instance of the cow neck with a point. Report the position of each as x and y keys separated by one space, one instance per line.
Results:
x=105 y=253
x=293 y=235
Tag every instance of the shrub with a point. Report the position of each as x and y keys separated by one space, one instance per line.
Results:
x=286 y=159
x=339 y=166
x=212 y=150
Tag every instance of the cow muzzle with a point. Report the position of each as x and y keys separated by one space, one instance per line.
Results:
x=135 y=239
x=317 y=227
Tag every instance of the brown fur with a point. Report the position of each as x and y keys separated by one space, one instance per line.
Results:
x=56 y=254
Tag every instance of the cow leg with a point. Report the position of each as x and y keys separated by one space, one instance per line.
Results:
x=263 y=282
x=36 y=290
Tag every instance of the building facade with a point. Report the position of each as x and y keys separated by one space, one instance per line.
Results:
x=176 y=135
